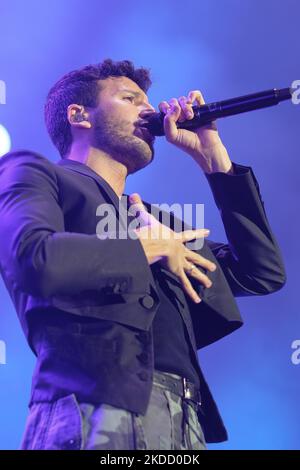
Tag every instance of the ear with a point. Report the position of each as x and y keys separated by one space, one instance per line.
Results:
x=78 y=117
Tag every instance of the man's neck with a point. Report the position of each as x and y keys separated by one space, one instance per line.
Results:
x=104 y=165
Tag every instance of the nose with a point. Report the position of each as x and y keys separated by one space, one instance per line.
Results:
x=146 y=111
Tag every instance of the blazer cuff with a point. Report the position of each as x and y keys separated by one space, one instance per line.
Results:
x=234 y=190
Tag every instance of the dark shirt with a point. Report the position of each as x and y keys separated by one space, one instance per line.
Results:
x=172 y=349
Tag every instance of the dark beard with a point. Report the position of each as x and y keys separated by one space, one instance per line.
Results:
x=113 y=137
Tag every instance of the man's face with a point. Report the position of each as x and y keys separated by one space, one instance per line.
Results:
x=117 y=123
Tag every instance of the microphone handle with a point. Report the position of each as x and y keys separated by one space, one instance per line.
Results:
x=206 y=113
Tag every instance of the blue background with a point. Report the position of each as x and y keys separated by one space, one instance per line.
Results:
x=225 y=48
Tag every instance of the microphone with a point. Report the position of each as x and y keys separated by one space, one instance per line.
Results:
x=206 y=113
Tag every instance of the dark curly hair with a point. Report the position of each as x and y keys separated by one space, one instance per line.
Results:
x=82 y=87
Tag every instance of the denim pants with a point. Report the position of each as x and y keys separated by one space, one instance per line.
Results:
x=67 y=424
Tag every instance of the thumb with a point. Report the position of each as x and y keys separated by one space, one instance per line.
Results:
x=138 y=209
x=135 y=199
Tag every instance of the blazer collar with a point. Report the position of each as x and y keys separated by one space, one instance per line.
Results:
x=103 y=185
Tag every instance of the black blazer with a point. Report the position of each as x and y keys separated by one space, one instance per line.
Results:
x=86 y=305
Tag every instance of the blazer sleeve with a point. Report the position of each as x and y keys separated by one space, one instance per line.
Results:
x=251 y=260
x=39 y=256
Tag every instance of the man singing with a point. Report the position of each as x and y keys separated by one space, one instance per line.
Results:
x=115 y=321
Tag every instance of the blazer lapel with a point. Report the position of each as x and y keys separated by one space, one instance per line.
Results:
x=107 y=191
x=121 y=206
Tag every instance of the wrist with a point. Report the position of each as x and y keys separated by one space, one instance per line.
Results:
x=215 y=159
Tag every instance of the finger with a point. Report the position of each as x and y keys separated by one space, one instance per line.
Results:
x=175 y=102
x=189 y=235
x=199 y=276
x=186 y=107
x=164 y=106
x=196 y=95
x=174 y=108
x=138 y=209
x=188 y=288
x=135 y=199
x=170 y=120
x=200 y=260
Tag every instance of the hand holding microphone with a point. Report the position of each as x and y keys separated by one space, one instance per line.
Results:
x=204 y=143
x=206 y=113
x=193 y=129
